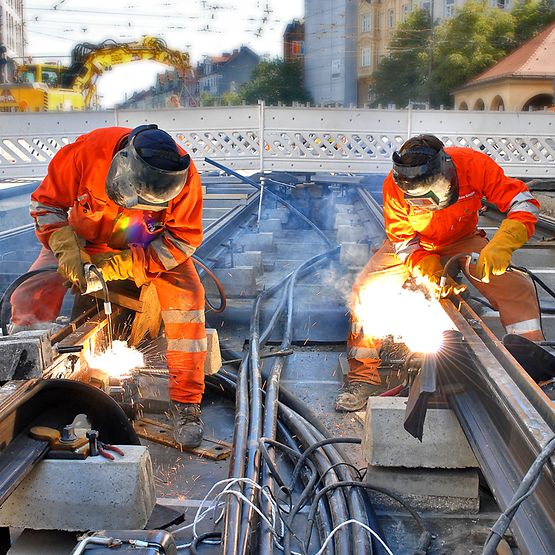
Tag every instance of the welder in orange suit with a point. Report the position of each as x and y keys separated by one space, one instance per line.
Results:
x=431 y=200
x=130 y=201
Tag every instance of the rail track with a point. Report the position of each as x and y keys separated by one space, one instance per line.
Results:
x=287 y=284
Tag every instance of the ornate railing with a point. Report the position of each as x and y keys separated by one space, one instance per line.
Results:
x=294 y=139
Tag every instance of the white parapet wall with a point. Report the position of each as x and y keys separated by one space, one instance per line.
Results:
x=251 y=138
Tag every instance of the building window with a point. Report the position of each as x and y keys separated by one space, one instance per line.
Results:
x=366 y=25
x=426 y=6
x=449 y=8
x=406 y=11
x=390 y=19
x=366 y=57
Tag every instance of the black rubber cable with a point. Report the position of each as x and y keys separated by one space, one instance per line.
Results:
x=198 y=540
x=6 y=296
x=221 y=291
x=426 y=537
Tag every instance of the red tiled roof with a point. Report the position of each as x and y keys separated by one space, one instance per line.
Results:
x=534 y=58
x=220 y=59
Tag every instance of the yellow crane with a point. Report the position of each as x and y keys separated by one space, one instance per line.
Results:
x=46 y=87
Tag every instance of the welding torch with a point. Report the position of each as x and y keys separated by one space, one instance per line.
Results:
x=471 y=258
x=95 y=282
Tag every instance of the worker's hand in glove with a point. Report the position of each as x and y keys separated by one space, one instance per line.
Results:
x=496 y=255
x=66 y=246
x=430 y=270
x=115 y=265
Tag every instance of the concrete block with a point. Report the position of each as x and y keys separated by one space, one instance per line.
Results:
x=91 y=494
x=387 y=443
x=438 y=490
x=354 y=254
x=346 y=218
x=271 y=224
x=281 y=213
x=342 y=208
x=249 y=258
x=25 y=355
x=237 y=282
x=263 y=241
x=213 y=362
x=351 y=233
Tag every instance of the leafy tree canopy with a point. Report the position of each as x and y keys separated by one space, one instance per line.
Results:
x=403 y=75
x=275 y=81
x=461 y=47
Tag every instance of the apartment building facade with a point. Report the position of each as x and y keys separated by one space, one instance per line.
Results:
x=12 y=28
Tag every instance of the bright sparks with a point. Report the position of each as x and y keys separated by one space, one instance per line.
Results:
x=117 y=362
x=384 y=308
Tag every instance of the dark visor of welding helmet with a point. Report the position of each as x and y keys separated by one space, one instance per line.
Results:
x=134 y=183
x=432 y=185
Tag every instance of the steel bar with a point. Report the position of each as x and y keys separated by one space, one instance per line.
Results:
x=16 y=462
x=506 y=426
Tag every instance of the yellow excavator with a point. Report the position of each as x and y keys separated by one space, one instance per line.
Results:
x=49 y=86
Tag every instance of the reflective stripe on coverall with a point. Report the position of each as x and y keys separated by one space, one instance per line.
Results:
x=415 y=233
x=74 y=192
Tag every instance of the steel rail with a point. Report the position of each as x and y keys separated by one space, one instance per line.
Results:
x=507 y=422
x=274 y=196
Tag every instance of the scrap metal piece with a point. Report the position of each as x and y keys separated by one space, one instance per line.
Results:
x=422 y=388
x=158 y=432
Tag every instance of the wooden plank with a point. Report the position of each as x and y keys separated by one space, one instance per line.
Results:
x=159 y=432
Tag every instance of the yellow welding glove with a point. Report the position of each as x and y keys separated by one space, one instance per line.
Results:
x=496 y=255
x=430 y=269
x=115 y=265
x=66 y=246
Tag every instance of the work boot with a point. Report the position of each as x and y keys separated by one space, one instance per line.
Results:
x=354 y=395
x=188 y=426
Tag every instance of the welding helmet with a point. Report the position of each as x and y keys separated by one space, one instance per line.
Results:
x=148 y=171
x=426 y=173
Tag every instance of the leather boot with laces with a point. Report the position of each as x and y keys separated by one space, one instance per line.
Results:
x=188 y=426
x=354 y=396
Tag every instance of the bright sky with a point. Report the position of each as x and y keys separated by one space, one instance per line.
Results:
x=200 y=27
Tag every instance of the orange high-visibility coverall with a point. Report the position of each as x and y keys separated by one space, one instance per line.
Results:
x=413 y=233
x=74 y=193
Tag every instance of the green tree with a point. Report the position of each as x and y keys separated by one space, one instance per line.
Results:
x=462 y=47
x=275 y=81
x=207 y=99
x=403 y=75
x=531 y=16
x=468 y=44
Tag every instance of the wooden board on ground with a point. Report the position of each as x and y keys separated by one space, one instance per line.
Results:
x=158 y=432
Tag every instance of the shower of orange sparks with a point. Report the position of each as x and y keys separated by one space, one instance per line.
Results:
x=384 y=308
x=117 y=362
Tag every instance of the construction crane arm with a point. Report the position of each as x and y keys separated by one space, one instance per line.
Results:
x=108 y=54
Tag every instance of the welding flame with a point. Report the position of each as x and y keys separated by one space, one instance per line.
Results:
x=384 y=308
x=117 y=362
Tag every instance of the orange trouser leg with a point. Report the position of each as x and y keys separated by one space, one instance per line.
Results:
x=363 y=351
x=39 y=299
x=512 y=293
x=181 y=297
